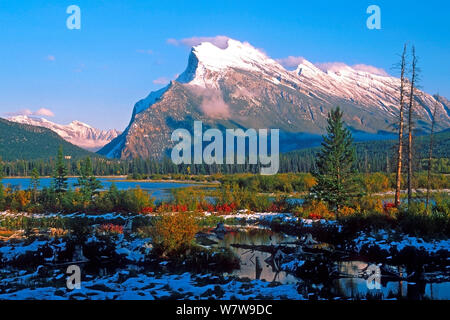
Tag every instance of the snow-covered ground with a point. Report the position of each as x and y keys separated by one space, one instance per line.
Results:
x=137 y=281
x=386 y=240
x=150 y=286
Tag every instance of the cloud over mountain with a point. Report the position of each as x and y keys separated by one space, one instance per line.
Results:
x=291 y=61
x=44 y=112
x=218 y=41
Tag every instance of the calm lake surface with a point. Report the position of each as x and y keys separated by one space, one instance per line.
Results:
x=159 y=190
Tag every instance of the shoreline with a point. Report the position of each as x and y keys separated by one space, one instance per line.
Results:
x=71 y=176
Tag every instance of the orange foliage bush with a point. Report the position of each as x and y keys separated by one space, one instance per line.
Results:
x=309 y=181
x=173 y=233
x=346 y=211
x=314 y=210
x=57 y=232
x=368 y=205
x=376 y=182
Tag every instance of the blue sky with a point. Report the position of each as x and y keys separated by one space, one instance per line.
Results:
x=96 y=74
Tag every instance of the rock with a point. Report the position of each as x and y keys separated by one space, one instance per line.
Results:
x=78 y=254
x=299 y=250
x=277 y=259
x=279 y=255
x=220 y=228
x=41 y=271
x=128 y=227
x=309 y=239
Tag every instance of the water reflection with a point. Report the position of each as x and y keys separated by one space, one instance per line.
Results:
x=253 y=262
x=353 y=286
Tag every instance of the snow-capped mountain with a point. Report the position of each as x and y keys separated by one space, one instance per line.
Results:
x=76 y=132
x=239 y=86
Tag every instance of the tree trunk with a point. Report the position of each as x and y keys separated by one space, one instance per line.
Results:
x=430 y=155
x=400 y=129
x=410 y=125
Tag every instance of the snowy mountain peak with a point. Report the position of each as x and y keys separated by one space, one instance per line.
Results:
x=77 y=123
x=235 y=82
x=237 y=54
x=209 y=63
x=232 y=84
x=307 y=68
x=76 y=132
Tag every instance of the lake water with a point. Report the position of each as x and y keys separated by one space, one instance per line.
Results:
x=159 y=190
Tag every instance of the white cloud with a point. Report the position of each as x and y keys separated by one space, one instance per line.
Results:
x=371 y=69
x=23 y=112
x=212 y=104
x=291 y=61
x=145 y=51
x=51 y=58
x=337 y=66
x=218 y=41
x=42 y=112
x=161 y=80
x=80 y=68
x=294 y=61
x=331 y=66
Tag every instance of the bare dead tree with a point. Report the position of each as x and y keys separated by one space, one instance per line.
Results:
x=388 y=166
x=430 y=155
x=410 y=121
x=400 y=127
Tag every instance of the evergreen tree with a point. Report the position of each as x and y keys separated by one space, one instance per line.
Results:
x=336 y=183
x=60 y=175
x=87 y=182
x=34 y=183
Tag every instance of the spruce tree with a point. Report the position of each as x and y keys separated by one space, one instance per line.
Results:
x=336 y=182
x=87 y=182
x=34 y=183
x=60 y=174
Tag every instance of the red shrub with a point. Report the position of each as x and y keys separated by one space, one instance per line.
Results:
x=314 y=216
x=147 y=210
x=388 y=206
x=110 y=228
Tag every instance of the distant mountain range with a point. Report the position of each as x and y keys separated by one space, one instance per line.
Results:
x=76 y=132
x=240 y=87
x=26 y=142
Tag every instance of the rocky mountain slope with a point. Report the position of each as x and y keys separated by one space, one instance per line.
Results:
x=240 y=87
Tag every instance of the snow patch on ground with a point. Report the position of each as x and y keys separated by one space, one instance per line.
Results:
x=383 y=240
x=152 y=286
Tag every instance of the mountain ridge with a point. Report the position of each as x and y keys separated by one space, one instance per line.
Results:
x=76 y=132
x=25 y=142
x=240 y=87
